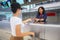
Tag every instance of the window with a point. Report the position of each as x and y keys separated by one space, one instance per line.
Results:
x=29 y=0
x=20 y=1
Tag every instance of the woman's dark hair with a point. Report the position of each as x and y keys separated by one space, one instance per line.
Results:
x=41 y=8
x=15 y=6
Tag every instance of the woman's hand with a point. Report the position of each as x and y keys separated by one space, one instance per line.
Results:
x=41 y=19
x=31 y=33
x=36 y=19
x=26 y=21
x=29 y=19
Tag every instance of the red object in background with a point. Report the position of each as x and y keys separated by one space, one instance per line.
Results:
x=51 y=14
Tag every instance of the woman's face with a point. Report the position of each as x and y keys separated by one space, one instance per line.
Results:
x=41 y=10
x=18 y=11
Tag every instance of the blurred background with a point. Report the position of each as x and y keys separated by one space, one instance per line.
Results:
x=30 y=8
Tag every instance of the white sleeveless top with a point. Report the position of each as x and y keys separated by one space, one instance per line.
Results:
x=15 y=21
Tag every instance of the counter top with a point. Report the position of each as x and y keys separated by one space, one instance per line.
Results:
x=46 y=25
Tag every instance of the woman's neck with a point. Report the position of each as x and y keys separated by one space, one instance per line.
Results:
x=15 y=15
x=41 y=13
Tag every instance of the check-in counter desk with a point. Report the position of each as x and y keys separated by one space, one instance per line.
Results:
x=45 y=31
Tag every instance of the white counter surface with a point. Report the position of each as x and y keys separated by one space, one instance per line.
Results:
x=45 y=25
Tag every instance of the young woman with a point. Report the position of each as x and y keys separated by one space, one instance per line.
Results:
x=17 y=24
x=41 y=16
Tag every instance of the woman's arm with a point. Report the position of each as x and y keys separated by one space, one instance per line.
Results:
x=25 y=21
x=36 y=19
x=19 y=34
